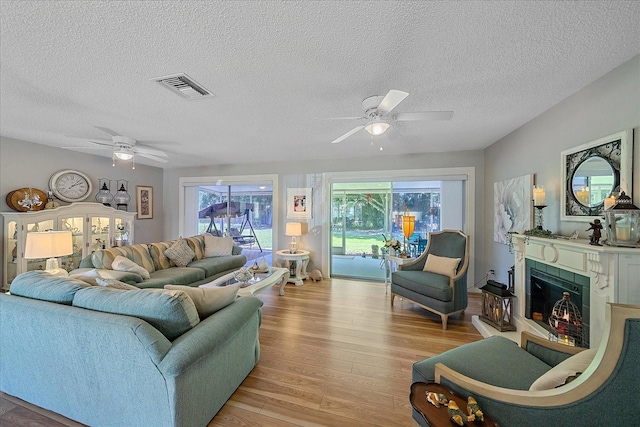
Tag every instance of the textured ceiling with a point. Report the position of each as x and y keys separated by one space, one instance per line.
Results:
x=279 y=68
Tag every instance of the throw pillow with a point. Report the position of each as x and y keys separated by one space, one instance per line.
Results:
x=217 y=246
x=441 y=265
x=121 y=263
x=209 y=300
x=91 y=277
x=559 y=374
x=180 y=253
x=116 y=284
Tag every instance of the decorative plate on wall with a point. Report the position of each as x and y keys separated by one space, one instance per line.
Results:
x=27 y=199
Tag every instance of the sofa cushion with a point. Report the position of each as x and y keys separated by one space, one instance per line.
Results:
x=196 y=243
x=559 y=374
x=180 y=253
x=432 y=285
x=160 y=260
x=217 y=246
x=486 y=361
x=173 y=276
x=219 y=264
x=170 y=312
x=121 y=263
x=43 y=286
x=209 y=300
x=123 y=276
x=137 y=253
x=441 y=265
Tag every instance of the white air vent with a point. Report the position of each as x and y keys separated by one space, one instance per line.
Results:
x=184 y=86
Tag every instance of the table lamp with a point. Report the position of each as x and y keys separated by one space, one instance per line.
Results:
x=293 y=229
x=49 y=244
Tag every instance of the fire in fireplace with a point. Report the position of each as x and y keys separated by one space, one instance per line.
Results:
x=547 y=286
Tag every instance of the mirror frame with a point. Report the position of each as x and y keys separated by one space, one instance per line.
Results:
x=616 y=150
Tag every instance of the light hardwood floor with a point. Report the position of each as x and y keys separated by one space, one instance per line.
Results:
x=333 y=353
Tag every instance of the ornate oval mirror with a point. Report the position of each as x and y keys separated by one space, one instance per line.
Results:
x=591 y=172
x=593 y=181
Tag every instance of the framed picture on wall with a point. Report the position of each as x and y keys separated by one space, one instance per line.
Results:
x=513 y=206
x=299 y=203
x=144 y=202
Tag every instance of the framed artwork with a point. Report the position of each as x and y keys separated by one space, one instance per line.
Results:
x=144 y=202
x=299 y=203
x=512 y=206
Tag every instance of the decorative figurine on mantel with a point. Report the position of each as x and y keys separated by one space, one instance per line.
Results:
x=595 y=237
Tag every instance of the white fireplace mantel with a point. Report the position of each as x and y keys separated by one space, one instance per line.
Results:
x=614 y=275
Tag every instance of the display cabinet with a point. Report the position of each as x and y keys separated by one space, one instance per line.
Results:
x=93 y=226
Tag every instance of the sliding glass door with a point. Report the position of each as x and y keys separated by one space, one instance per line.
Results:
x=364 y=214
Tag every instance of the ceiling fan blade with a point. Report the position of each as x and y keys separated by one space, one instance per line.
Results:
x=347 y=135
x=342 y=118
x=156 y=158
x=145 y=150
x=86 y=148
x=103 y=144
x=392 y=134
x=158 y=143
x=391 y=101
x=424 y=115
x=107 y=130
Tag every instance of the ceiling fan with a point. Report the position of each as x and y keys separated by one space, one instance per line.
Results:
x=125 y=148
x=377 y=112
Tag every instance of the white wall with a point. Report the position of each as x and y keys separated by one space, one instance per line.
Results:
x=608 y=105
x=309 y=175
x=25 y=164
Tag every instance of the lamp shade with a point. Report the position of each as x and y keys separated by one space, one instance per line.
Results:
x=408 y=225
x=293 y=229
x=48 y=244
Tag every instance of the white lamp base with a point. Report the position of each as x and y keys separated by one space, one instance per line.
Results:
x=53 y=268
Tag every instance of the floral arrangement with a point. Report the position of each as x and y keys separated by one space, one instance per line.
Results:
x=392 y=243
x=243 y=275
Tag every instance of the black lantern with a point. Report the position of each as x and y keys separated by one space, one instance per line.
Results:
x=122 y=198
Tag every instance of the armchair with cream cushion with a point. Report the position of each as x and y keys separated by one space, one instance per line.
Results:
x=437 y=279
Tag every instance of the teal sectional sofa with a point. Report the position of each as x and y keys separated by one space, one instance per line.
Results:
x=162 y=270
x=163 y=367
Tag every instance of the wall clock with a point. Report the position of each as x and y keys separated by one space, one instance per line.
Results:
x=70 y=185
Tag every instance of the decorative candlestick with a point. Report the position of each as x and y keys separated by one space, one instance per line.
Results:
x=539 y=217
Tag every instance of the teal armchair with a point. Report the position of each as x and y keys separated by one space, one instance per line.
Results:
x=442 y=294
x=499 y=374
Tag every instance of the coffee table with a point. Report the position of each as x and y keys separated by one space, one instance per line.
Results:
x=439 y=417
x=259 y=283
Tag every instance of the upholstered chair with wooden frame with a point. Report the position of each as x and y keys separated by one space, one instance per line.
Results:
x=506 y=380
x=443 y=288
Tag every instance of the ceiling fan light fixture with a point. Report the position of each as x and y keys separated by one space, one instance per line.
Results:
x=123 y=155
x=377 y=128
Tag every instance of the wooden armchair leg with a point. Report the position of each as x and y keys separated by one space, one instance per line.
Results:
x=392 y=297
x=444 y=317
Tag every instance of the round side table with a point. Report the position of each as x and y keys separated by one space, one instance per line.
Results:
x=301 y=258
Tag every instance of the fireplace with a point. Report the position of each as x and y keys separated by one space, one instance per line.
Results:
x=544 y=286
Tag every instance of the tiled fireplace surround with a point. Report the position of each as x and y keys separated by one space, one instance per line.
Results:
x=613 y=274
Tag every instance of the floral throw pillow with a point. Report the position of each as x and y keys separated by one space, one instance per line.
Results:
x=180 y=253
